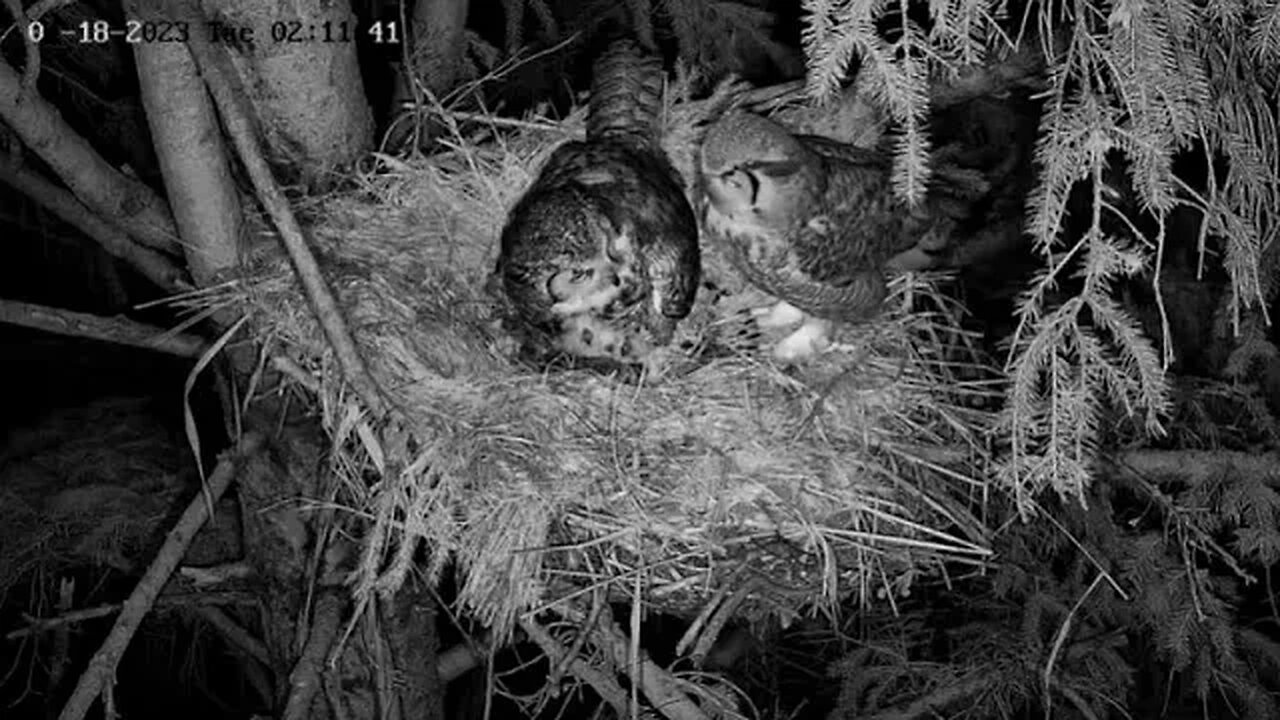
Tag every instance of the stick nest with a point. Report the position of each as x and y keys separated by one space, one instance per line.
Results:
x=800 y=488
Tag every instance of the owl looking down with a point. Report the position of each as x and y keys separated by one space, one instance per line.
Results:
x=599 y=257
x=815 y=223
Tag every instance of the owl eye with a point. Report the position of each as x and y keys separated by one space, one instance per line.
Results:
x=780 y=168
x=564 y=283
x=744 y=180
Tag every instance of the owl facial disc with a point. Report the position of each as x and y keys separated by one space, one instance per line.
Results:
x=584 y=287
x=600 y=282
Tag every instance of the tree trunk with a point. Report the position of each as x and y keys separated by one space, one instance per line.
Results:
x=192 y=156
x=438 y=42
x=302 y=78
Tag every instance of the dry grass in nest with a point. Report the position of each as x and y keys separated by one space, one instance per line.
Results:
x=807 y=485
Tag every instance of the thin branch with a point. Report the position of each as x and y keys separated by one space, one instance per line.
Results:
x=119 y=330
x=235 y=634
x=101 y=671
x=604 y=685
x=39 y=625
x=219 y=76
x=659 y=686
x=305 y=679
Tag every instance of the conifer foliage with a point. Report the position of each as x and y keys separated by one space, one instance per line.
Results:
x=1124 y=597
x=1087 y=618
x=1132 y=86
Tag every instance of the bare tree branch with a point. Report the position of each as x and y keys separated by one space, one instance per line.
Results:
x=118 y=330
x=123 y=200
x=102 y=667
x=153 y=264
x=217 y=73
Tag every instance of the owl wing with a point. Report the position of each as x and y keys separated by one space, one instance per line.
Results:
x=833 y=260
x=667 y=233
x=905 y=237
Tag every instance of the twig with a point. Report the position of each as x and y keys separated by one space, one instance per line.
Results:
x=60 y=657
x=118 y=330
x=598 y=604
x=214 y=67
x=305 y=680
x=695 y=629
x=659 y=686
x=458 y=660
x=235 y=634
x=709 y=637
x=513 y=123
x=1060 y=640
x=98 y=677
x=604 y=685
x=39 y=625
x=226 y=572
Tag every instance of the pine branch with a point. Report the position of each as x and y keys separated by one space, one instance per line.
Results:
x=715 y=34
x=1131 y=86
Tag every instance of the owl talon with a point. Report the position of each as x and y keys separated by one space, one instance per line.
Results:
x=781 y=314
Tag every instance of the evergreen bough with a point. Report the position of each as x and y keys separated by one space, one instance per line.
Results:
x=1131 y=84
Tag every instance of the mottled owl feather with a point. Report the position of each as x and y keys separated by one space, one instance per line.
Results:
x=600 y=256
x=626 y=96
x=815 y=222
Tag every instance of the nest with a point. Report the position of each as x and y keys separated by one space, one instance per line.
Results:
x=789 y=488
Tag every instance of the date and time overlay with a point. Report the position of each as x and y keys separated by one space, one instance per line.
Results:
x=92 y=32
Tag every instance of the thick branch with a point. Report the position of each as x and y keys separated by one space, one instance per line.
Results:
x=214 y=66
x=1197 y=466
x=121 y=199
x=154 y=265
x=439 y=43
x=192 y=155
x=1190 y=466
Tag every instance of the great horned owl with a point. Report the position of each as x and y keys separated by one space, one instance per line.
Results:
x=599 y=258
x=815 y=223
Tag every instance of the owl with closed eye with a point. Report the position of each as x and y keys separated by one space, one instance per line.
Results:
x=599 y=258
x=815 y=223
